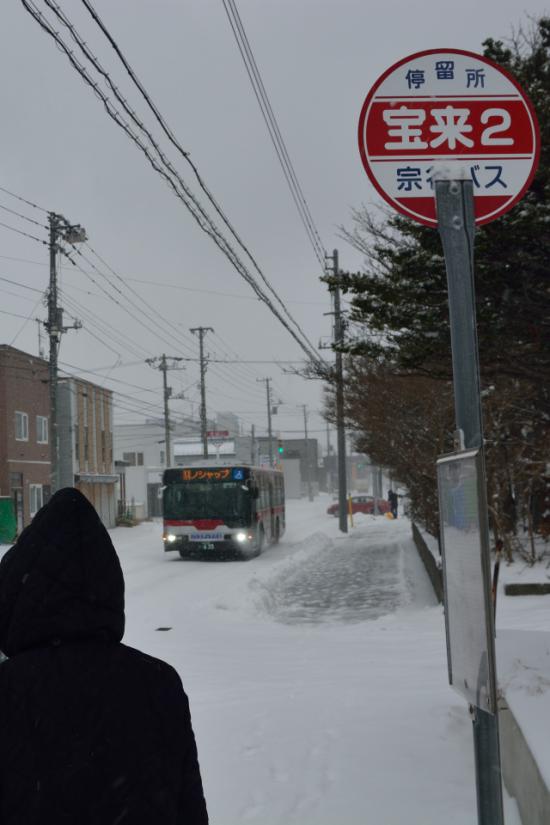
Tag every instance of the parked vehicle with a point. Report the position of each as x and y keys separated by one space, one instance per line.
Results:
x=363 y=504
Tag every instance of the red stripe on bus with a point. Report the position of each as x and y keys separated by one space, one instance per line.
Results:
x=199 y=524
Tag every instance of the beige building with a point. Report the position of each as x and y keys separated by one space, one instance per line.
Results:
x=85 y=426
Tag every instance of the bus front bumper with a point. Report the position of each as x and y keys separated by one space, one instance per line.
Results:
x=232 y=542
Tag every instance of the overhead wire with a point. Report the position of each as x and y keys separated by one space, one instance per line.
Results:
x=24 y=217
x=26 y=234
x=123 y=305
x=186 y=340
x=173 y=140
x=161 y=164
x=23 y=200
x=218 y=373
x=266 y=109
x=124 y=341
x=24 y=324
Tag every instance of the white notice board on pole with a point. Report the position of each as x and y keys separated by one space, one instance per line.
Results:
x=466 y=569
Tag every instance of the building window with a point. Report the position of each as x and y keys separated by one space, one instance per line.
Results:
x=162 y=456
x=36 y=498
x=41 y=429
x=16 y=481
x=133 y=459
x=21 y=426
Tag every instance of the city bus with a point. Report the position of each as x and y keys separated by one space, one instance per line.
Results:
x=229 y=510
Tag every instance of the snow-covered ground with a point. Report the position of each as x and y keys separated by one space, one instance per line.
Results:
x=523 y=650
x=316 y=673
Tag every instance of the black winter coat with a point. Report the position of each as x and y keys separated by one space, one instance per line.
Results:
x=91 y=732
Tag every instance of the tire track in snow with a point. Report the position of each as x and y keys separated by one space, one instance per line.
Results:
x=344 y=582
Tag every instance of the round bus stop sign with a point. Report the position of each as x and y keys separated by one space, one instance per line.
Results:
x=448 y=114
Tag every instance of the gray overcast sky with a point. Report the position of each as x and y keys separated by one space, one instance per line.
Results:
x=318 y=59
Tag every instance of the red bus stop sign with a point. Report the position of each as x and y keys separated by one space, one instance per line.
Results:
x=447 y=113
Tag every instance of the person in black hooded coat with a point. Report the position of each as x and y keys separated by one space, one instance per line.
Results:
x=92 y=732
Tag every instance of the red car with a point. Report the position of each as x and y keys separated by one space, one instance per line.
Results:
x=362 y=504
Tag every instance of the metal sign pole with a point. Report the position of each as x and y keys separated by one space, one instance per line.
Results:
x=455 y=214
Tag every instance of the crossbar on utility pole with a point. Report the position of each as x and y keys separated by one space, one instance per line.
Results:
x=201 y=332
x=162 y=364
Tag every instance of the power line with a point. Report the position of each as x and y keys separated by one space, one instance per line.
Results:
x=25 y=218
x=124 y=342
x=266 y=109
x=185 y=341
x=26 y=234
x=214 y=291
x=23 y=286
x=173 y=140
x=23 y=200
x=13 y=314
x=166 y=285
x=161 y=164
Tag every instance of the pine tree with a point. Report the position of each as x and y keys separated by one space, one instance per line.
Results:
x=400 y=325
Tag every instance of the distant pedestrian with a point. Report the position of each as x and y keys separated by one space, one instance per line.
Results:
x=393 y=501
x=92 y=732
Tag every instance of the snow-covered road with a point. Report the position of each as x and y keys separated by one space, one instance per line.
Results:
x=316 y=674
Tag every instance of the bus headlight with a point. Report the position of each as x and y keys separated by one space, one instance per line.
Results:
x=170 y=538
x=241 y=537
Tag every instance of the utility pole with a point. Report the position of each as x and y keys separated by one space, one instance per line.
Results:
x=328 y=469
x=253 y=445
x=162 y=364
x=41 y=352
x=201 y=332
x=60 y=230
x=267 y=382
x=308 y=466
x=340 y=431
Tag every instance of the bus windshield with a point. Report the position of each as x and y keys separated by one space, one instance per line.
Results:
x=229 y=501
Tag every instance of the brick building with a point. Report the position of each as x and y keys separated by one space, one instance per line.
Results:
x=24 y=432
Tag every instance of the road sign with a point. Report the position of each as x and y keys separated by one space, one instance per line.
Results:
x=466 y=570
x=217 y=434
x=448 y=114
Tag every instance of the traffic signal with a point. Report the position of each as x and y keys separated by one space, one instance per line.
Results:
x=280 y=447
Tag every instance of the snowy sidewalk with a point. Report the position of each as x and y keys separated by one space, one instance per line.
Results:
x=317 y=676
